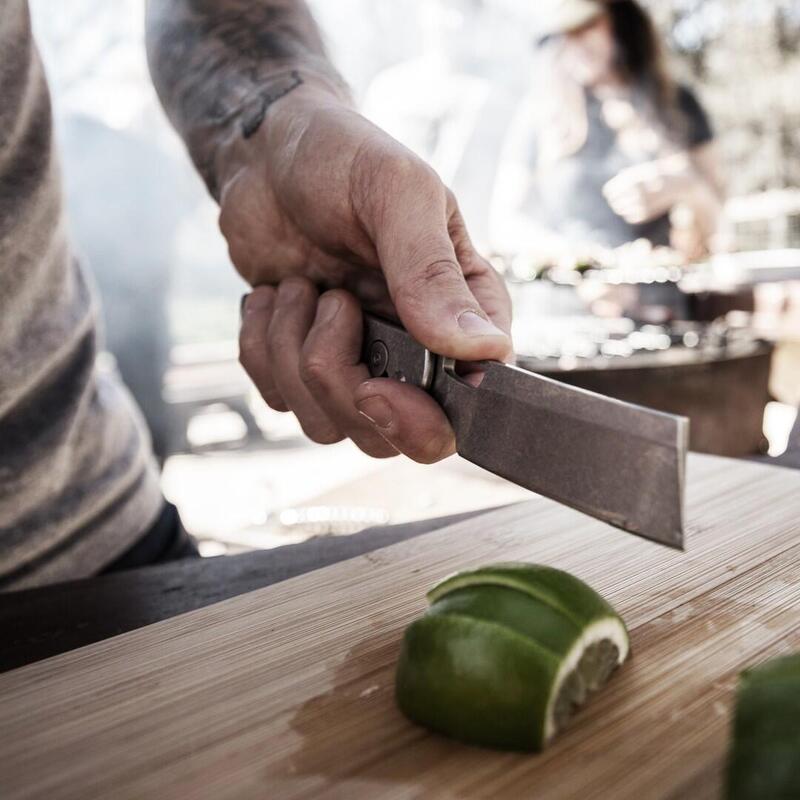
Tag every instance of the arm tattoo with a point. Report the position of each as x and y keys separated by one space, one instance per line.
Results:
x=222 y=63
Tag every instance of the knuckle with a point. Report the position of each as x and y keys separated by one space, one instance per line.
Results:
x=420 y=279
x=438 y=270
x=341 y=296
x=313 y=369
x=274 y=401
x=322 y=432
x=278 y=341
x=296 y=287
x=384 y=173
x=402 y=171
x=250 y=349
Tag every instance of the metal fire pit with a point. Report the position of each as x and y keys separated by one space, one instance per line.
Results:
x=723 y=395
x=715 y=376
x=656 y=335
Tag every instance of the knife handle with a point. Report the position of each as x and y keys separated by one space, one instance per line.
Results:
x=389 y=351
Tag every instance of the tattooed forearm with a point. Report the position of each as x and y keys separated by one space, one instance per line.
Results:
x=222 y=63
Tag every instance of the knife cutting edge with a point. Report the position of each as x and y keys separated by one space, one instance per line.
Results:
x=618 y=462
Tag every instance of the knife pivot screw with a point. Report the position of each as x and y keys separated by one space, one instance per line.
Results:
x=378 y=359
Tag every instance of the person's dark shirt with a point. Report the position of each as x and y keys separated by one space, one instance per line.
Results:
x=567 y=196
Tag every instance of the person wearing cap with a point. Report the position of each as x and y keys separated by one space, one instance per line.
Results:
x=607 y=148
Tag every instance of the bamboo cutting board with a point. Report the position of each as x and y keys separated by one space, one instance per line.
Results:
x=287 y=692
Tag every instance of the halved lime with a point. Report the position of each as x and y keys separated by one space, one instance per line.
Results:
x=506 y=653
x=764 y=760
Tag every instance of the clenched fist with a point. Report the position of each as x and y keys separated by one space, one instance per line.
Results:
x=326 y=215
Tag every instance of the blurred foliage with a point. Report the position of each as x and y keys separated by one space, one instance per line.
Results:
x=743 y=57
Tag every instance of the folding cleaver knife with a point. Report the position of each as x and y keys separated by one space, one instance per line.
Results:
x=621 y=463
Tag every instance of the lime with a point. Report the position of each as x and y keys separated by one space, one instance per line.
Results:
x=506 y=653
x=764 y=760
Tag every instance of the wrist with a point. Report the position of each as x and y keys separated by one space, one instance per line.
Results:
x=269 y=123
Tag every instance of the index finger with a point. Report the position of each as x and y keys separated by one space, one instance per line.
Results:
x=384 y=419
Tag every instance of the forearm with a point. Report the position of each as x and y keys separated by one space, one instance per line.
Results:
x=710 y=191
x=691 y=190
x=706 y=207
x=219 y=65
x=703 y=203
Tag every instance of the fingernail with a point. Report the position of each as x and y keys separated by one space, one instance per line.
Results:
x=376 y=410
x=475 y=325
x=241 y=304
x=328 y=309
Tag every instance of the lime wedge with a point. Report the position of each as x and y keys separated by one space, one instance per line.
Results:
x=764 y=760
x=506 y=653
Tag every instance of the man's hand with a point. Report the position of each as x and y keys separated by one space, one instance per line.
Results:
x=316 y=199
x=322 y=198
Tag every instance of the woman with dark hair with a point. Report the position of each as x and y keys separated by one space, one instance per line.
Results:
x=607 y=149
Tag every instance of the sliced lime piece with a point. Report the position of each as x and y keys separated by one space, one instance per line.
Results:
x=764 y=760
x=506 y=653
x=564 y=592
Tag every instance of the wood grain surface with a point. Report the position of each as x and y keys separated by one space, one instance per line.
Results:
x=43 y=622
x=286 y=692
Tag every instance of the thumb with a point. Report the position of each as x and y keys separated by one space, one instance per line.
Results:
x=425 y=279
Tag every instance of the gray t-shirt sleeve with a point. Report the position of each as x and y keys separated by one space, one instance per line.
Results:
x=78 y=483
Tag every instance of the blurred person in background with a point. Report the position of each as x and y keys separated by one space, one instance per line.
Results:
x=607 y=149
x=432 y=102
x=323 y=213
x=452 y=103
